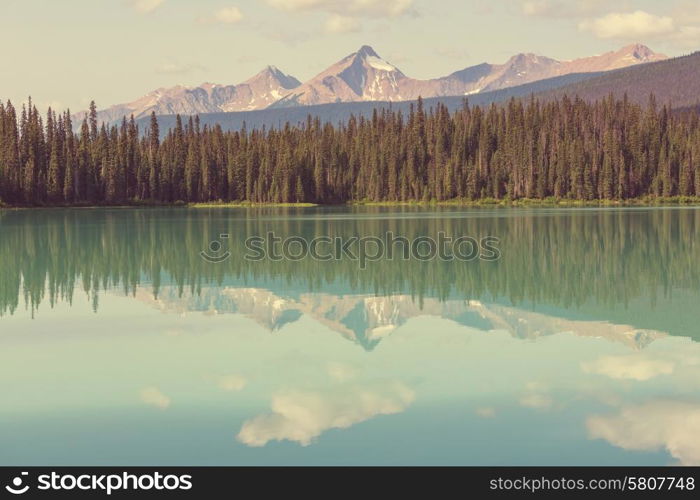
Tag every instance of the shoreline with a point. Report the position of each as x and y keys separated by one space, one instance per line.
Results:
x=487 y=202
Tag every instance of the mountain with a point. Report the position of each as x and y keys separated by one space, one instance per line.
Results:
x=276 y=117
x=258 y=92
x=631 y=55
x=673 y=81
x=361 y=76
x=366 y=319
x=261 y=91
x=526 y=68
x=365 y=76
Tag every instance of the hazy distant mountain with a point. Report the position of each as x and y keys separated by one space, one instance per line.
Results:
x=630 y=55
x=365 y=77
x=675 y=82
x=527 y=68
x=258 y=92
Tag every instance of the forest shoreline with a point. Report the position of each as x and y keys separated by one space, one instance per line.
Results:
x=534 y=153
x=485 y=202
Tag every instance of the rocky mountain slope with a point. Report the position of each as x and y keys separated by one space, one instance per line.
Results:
x=258 y=92
x=674 y=82
x=364 y=76
x=366 y=320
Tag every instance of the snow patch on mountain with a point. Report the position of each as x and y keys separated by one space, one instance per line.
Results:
x=380 y=64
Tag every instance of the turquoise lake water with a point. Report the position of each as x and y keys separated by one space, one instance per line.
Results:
x=121 y=344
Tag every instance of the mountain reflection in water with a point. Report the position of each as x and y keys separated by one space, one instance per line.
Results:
x=578 y=346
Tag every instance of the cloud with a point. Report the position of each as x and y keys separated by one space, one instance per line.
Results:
x=678 y=27
x=688 y=11
x=453 y=53
x=341 y=24
x=302 y=416
x=341 y=372
x=289 y=36
x=483 y=9
x=54 y=105
x=152 y=396
x=687 y=37
x=486 y=412
x=228 y=15
x=362 y=8
x=172 y=68
x=538 y=401
x=636 y=25
x=146 y=6
x=536 y=397
x=633 y=367
x=672 y=425
x=562 y=8
x=345 y=15
x=232 y=383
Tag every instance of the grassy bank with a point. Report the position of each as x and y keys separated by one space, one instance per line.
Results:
x=179 y=204
x=246 y=204
x=647 y=201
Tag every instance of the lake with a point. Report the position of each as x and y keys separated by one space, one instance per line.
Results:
x=148 y=336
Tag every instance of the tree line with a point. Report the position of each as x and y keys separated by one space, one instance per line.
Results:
x=566 y=148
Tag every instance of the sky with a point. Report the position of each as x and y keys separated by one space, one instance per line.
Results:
x=64 y=54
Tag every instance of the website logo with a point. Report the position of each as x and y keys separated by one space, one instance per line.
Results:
x=16 y=488
x=215 y=255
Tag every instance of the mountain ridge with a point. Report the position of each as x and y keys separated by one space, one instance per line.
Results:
x=674 y=82
x=364 y=76
x=334 y=113
x=258 y=92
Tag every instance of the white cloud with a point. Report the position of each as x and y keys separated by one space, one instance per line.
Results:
x=672 y=425
x=228 y=15
x=453 y=53
x=232 y=383
x=687 y=37
x=486 y=412
x=302 y=416
x=535 y=396
x=634 y=367
x=152 y=396
x=54 y=105
x=687 y=11
x=635 y=26
x=367 y=8
x=562 y=8
x=535 y=400
x=146 y=6
x=678 y=26
x=341 y=372
x=341 y=24
x=289 y=36
x=172 y=68
x=344 y=15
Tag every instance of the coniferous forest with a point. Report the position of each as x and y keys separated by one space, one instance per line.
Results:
x=566 y=149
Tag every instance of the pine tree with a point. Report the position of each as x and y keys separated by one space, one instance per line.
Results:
x=55 y=190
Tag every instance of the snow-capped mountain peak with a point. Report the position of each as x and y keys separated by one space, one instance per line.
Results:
x=258 y=92
x=365 y=76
